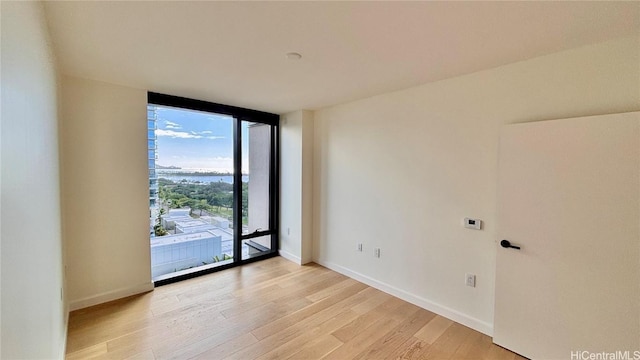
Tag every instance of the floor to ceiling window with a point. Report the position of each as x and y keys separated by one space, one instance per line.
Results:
x=213 y=182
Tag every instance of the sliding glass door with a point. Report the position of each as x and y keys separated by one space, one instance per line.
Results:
x=212 y=186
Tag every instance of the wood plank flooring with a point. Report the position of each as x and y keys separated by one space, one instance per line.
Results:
x=273 y=309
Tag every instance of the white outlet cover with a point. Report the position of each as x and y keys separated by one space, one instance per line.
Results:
x=470 y=280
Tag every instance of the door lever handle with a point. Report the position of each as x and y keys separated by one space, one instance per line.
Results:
x=507 y=244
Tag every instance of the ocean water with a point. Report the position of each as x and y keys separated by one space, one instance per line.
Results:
x=194 y=177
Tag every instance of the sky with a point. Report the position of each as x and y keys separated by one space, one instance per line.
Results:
x=197 y=140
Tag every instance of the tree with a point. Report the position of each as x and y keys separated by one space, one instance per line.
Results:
x=216 y=201
x=182 y=194
x=201 y=205
x=158 y=229
x=182 y=201
x=245 y=200
x=227 y=200
x=191 y=203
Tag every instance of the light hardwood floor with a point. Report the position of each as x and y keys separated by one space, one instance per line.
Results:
x=273 y=309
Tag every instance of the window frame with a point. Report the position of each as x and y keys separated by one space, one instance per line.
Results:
x=239 y=115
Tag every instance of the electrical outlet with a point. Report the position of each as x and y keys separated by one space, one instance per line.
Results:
x=376 y=252
x=288 y=231
x=470 y=280
x=360 y=247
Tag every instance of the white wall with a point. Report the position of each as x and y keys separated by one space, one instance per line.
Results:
x=105 y=183
x=400 y=171
x=259 y=138
x=32 y=307
x=307 y=188
x=296 y=157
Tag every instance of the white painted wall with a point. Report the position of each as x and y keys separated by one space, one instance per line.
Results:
x=401 y=170
x=32 y=307
x=296 y=170
x=307 y=187
x=105 y=182
x=259 y=138
x=291 y=186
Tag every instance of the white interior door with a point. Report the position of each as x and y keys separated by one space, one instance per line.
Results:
x=569 y=197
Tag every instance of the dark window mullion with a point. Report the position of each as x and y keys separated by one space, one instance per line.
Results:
x=237 y=190
x=257 y=234
x=273 y=187
x=206 y=106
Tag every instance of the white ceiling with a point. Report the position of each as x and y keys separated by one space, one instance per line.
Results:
x=234 y=52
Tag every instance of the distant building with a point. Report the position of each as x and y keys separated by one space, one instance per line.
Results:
x=217 y=221
x=183 y=251
x=175 y=215
x=226 y=236
x=151 y=149
x=192 y=225
x=179 y=212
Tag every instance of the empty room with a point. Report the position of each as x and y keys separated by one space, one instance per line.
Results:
x=320 y=180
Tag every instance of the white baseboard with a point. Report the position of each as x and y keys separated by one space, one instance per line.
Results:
x=289 y=256
x=478 y=325
x=110 y=296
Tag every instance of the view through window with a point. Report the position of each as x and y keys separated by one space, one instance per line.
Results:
x=203 y=214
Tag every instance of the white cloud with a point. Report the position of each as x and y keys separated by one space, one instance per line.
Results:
x=177 y=134
x=172 y=125
x=206 y=132
x=185 y=135
x=219 y=158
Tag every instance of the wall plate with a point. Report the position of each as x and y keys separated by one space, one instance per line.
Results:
x=474 y=224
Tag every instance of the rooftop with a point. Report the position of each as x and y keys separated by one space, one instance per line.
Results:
x=180 y=238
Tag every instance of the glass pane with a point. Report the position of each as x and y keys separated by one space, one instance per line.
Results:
x=191 y=166
x=256 y=246
x=256 y=155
